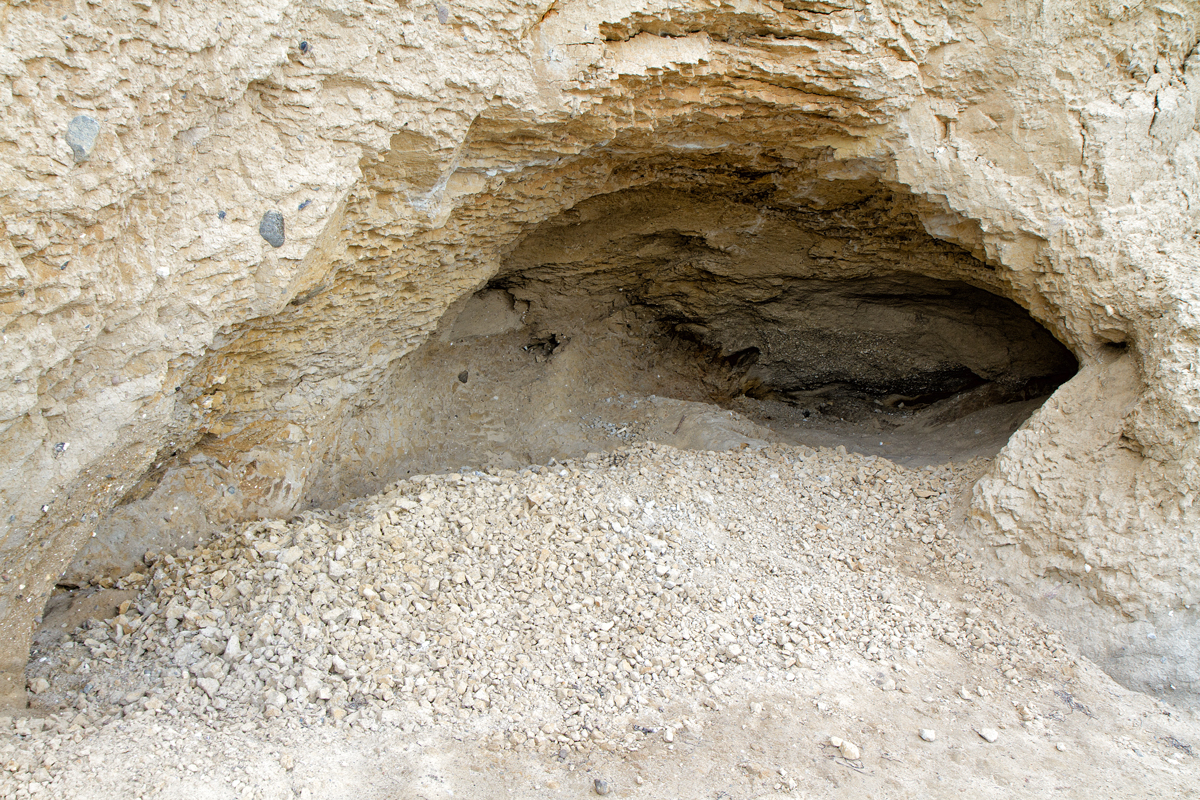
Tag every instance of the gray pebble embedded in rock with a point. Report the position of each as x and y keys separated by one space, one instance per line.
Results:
x=81 y=136
x=271 y=228
x=600 y=785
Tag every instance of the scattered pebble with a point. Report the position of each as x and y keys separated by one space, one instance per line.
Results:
x=81 y=136
x=928 y=734
x=988 y=734
x=271 y=228
x=600 y=786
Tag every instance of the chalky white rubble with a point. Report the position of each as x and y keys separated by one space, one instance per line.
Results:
x=631 y=614
x=615 y=581
x=170 y=347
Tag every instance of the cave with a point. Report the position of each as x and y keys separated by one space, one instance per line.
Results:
x=915 y=302
x=809 y=306
x=806 y=298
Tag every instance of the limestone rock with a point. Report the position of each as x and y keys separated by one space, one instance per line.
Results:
x=192 y=369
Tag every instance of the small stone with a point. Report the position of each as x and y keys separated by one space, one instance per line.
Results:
x=291 y=555
x=271 y=228
x=81 y=136
x=1060 y=747
x=928 y=734
x=234 y=648
x=850 y=751
x=601 y=786
x=734 y=650
x=989 y=735
x=209 y=685
x=39 y=685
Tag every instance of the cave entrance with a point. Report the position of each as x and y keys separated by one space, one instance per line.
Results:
x=723 y=316
x=825 y=315
x=915 y=369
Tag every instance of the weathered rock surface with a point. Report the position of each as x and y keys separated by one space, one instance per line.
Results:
x=156 y=346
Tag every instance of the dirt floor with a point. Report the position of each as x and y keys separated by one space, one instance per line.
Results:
x=766 y=621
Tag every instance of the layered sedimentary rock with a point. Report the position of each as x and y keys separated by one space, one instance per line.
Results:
x=227 y=225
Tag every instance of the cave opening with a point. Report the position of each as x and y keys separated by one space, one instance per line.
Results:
x=711 y=313
x=916 y=369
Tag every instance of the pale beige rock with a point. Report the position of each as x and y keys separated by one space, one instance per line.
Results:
x=147 y=324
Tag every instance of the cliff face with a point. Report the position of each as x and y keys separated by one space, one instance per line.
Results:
x=225 y=226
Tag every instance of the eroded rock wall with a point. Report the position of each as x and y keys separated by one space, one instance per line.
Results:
x=156 y=345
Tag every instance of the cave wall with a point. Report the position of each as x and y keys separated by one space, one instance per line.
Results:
x=157 y=344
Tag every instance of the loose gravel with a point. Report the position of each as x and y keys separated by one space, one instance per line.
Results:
x=554 y=609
